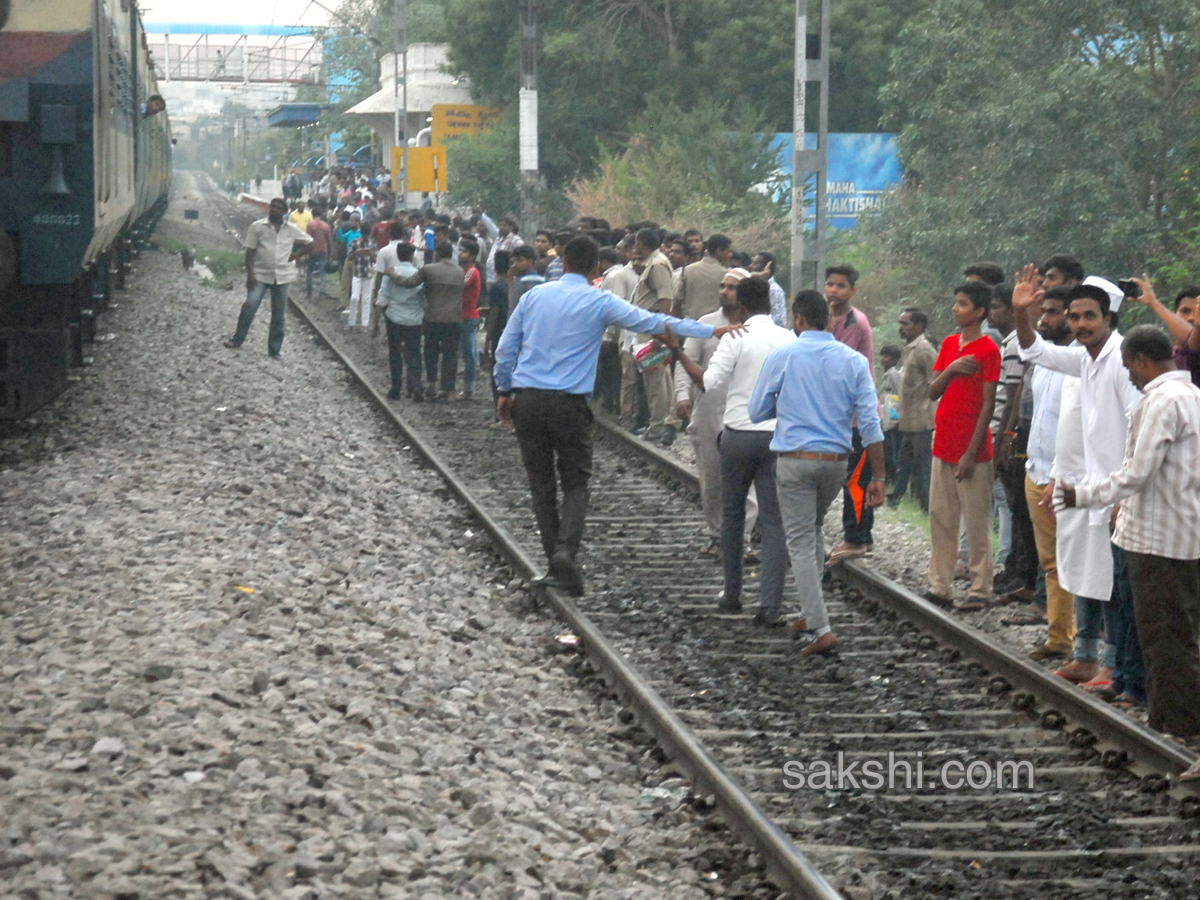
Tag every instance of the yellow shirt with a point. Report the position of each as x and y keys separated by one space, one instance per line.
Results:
x=300 y=219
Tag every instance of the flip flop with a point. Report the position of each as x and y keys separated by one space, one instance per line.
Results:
x=971 y=604
x=1025 y=617
x=1193 y=772
x=1124 y=701
x=713 y=550
x=1100 y=687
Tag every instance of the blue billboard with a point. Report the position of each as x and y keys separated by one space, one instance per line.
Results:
x=861 y=168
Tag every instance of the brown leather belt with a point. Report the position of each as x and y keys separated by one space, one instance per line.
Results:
x=824 y=457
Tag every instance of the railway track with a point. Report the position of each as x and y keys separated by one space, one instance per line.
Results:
x=732 y=706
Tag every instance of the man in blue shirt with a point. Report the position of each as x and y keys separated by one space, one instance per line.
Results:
x=545 y=370
x=813 y=387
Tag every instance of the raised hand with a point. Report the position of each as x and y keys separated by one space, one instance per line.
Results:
x=1026 y=294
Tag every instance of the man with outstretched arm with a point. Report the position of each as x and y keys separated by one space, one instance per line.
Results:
x=545 y=371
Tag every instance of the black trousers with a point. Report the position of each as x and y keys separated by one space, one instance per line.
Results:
x=404 y=352
x=441 y=341
x=857 y=518
x=1166 y=604
x=1022 y=562
x=554 y=431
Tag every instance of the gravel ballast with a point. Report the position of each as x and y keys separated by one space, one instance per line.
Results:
x=250 y=648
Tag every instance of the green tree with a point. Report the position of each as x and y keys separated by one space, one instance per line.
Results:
x=1029 y=127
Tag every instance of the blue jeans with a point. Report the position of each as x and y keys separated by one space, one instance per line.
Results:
x=279 y=294
x=315 y=264
x=1089 y=621
x=1120 y=627
x=468 y=349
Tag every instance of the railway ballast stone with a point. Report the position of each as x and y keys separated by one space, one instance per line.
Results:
x=247 y=649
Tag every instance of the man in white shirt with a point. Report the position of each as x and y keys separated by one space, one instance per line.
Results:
x=746 y=456
x=271 y=255
x=1046 y=386
x=705 y=412
x=1093 y=422
x=1158 y=525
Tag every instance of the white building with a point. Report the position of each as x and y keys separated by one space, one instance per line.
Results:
x=428 y=85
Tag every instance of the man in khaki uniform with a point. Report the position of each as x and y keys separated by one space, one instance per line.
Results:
x=655 y=292
x=698 y=293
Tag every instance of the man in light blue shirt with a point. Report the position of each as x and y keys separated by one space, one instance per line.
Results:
x=813 y=387
x=545 y=370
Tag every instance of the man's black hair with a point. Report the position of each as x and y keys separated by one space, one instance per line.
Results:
x=848 y=271
x=444 y=219
x=443 y=249
x=608 y=257
x=1090 y=292
x=511 y=223
x=988 y=272
x=1149 y=341
x=977 y=292
x=601 y=236
x=917 y=315
x=1003 y=292
x=523 y=252
x=470 y=246
x=396 y=230
x=580 y=255
x=755 y=295
x=562 y=237
x=768 y=258
x=691 y=231
x=1190 y=291
x=503 y=258
x=616 y=235
x=890 y=350
x=672 y=236
x=717 y=243
x=1058 y=293
x=1071 y=267
x=649 y=238
x=405 y=251
x=549 y=234
x=811 y=305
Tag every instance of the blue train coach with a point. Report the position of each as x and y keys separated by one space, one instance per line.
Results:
x=85 y=168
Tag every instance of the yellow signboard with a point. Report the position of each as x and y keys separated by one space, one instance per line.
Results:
x=427 y=169
x=451 y=120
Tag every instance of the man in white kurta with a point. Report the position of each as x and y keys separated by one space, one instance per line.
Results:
x=1097 y=400
x=705 y=412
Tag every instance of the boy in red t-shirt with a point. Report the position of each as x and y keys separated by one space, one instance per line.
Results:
x=966 y=373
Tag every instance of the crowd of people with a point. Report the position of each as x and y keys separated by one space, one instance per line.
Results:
x=1035 y=411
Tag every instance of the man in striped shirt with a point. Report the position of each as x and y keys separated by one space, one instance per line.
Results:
x=1158 y=526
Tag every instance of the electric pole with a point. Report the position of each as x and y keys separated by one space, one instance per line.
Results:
x=400 y=101
x=812 y=66
x=528 y=116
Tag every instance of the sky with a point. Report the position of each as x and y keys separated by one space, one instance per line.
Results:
x=237 y=12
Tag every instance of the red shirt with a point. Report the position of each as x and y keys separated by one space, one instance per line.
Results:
x=471 y=288
x=380 y=234
x=958 y=411
x=322 y=237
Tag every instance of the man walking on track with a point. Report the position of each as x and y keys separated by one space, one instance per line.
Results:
x=271 y=257
x=545 y=370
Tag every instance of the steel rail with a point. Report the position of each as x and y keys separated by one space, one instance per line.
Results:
x=784 y=861
x=1145 y=744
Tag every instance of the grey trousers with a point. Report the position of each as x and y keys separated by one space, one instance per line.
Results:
x=806 y=489
x=746 y=459
x=704 y=429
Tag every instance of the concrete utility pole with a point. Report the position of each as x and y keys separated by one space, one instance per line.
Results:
x=812 y=66
x=399 y=99
x=528 y=116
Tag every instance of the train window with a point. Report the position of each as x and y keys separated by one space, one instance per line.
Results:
x=6 y=149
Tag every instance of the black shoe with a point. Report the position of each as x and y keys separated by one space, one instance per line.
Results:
x=417 y=396
x=639 y=430
x=232 y=344
x=728 y=606
x=394 y=394
x=564 y=570
x=654 y=433
x=431 y=392
x=668 y=435
x=763 y=620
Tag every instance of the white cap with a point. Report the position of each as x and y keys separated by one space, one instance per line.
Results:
x=1115 y=294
